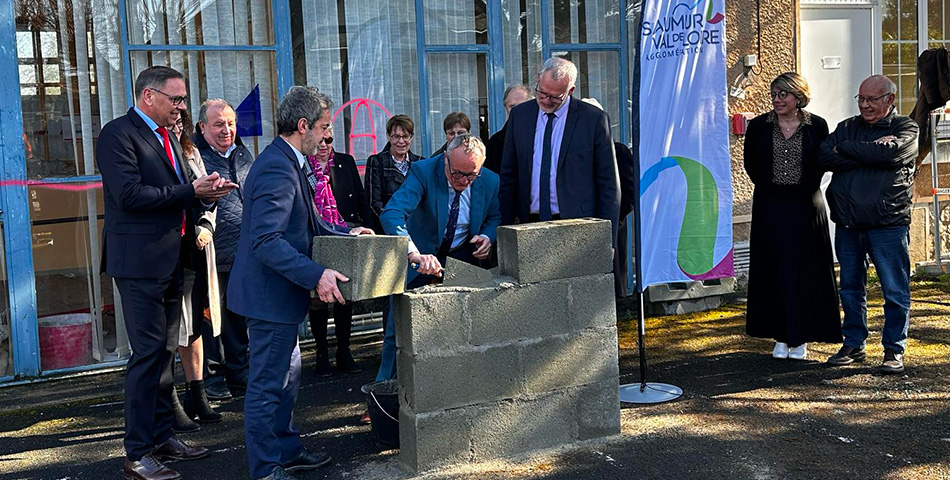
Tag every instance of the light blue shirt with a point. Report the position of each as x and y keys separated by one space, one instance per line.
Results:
x=300 y=158
x=465 y=214
x=557 y=135
x=161 y=141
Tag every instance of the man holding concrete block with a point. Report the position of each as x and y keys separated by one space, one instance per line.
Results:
x=448 y=207
x=272 y=278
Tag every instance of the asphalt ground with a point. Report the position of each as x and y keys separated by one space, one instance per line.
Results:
x=743 y=415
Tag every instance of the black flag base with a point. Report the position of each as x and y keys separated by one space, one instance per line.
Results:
x=646 y=392
x=649 y=392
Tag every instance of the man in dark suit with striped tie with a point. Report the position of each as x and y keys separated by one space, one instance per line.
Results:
x=559 y=159
x=150 y=203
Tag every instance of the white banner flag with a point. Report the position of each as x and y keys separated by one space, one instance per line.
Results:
x=684 y=166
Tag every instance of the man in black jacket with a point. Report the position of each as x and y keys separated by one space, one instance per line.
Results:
x=223 y=152
x=872 y=157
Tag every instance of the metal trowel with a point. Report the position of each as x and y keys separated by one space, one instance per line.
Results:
x=461 y=274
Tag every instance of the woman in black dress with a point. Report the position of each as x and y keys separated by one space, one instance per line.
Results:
x=793 y=297
x=339 y=200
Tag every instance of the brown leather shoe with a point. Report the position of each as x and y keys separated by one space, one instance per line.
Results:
x=175 y=449
x=148 y=468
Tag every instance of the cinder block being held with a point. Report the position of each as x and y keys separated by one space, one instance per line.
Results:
x=536 y=252
x=375 y=264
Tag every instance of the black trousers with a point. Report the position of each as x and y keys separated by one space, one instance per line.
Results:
x=226 y=355
x=152 y=312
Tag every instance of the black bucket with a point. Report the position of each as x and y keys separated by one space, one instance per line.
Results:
x=382 y=401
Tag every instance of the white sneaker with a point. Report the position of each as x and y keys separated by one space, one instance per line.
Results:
x=780 y=350
x=798 y=353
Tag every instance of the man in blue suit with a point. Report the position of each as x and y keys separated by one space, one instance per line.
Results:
x=272 y=278
x=448 y=207
x=559 y=159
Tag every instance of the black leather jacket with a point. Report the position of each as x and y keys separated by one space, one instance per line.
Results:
x=872 y=182
x=231 y=207
x=382 y=179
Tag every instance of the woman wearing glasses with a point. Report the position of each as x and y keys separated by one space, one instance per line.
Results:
x=792 y=298
x=386 y=170
x=339 y=200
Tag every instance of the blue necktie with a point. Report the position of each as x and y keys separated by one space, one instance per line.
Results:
x=449 y=236
x=544 y=182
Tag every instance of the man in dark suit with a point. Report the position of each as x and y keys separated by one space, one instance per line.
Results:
x=149 y=206
x=272 y=278
x=448 y=207
x=559 y=156
x=515 y=95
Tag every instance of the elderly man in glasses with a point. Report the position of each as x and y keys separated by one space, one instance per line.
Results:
x=558 y=160
x=872 y=157
x=448 y=207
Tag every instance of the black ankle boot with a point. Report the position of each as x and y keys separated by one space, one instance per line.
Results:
x=343 y=320
x=182 y=424
x=196 y=403
x=318 y=327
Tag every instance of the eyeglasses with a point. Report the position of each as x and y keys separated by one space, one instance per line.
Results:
x=459 y=175
x=328 y=140
x=400 y=138
x=547 y=96
x=781 y=94
x=176 y=100
x=861 y=99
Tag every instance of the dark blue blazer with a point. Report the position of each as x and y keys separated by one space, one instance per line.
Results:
x=273 y=273
x=141 y=236
x=420 y=208
x=587 y=181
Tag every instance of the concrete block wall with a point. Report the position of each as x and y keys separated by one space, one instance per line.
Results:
x=375 y=264
x=497 y=371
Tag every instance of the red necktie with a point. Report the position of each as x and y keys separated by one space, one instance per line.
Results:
x=171 y=159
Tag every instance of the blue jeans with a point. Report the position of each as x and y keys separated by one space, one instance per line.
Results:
x=387 y=366
x=888 y=249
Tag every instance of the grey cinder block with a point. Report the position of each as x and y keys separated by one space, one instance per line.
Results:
x=375 y=264
x=570 y=360
x=669 y=292
x=463 y=378
x=592 y=301
x=518 y=312
x=430 y=322
x=522 y=425
x=434 y=440
x=535 y=252
x=598 y=409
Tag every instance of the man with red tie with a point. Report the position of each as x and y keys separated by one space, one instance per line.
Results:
x=150 y=204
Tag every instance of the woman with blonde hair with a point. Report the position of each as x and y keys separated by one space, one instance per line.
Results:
x=793 y=297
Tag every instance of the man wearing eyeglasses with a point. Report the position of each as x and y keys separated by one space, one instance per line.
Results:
x=558 y=160
x=872 y=158
x=448 y=207
x=149 y=206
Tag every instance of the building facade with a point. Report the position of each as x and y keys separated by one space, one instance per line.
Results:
x=67 y=67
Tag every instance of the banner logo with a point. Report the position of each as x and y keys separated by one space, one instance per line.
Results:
x=695 y=250
x=682 y=31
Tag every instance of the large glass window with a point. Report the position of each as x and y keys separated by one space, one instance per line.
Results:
x=232 y=76
x=584 y=21
x=72 y=80
x=899 y=50
x=521 y=37
x=364 y=57
x=187 y=22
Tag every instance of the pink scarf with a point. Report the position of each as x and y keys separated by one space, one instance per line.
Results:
x=323 y=198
